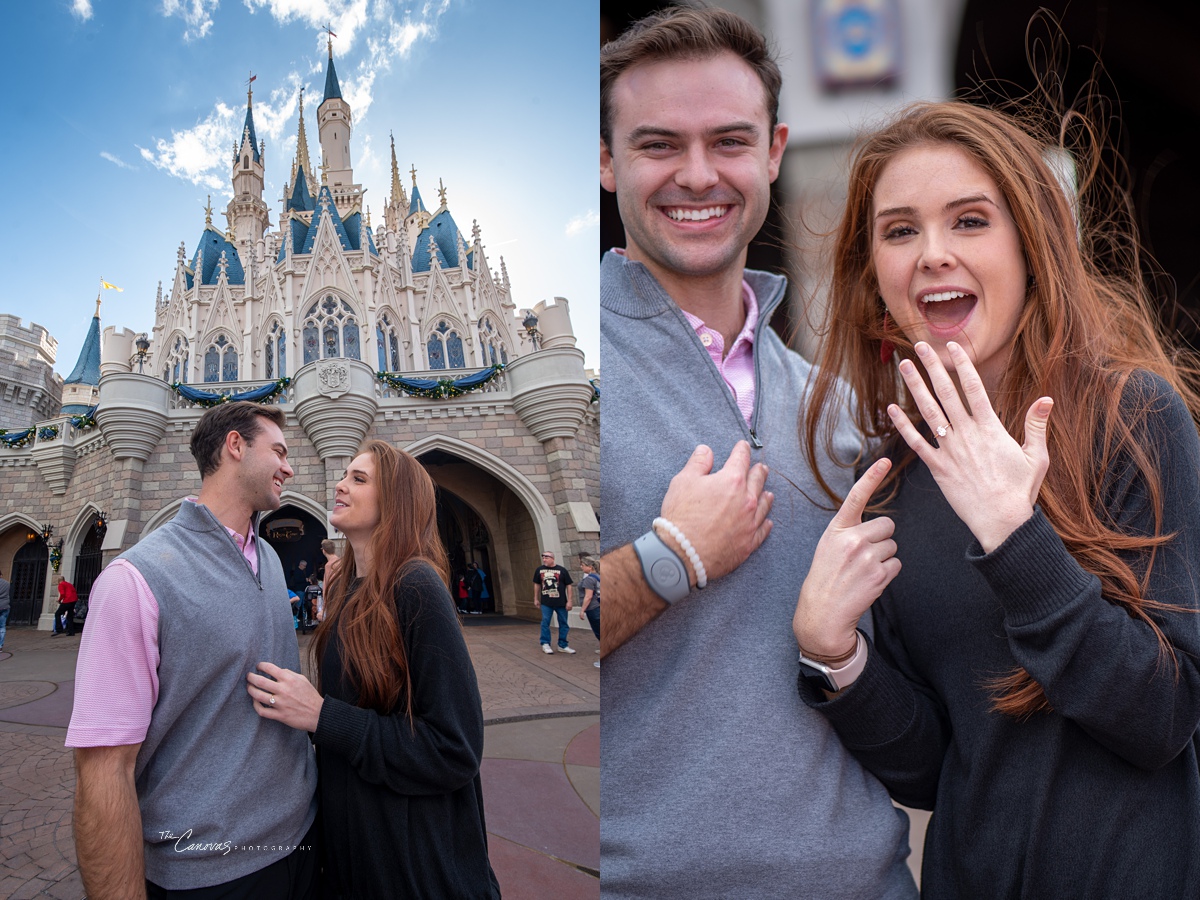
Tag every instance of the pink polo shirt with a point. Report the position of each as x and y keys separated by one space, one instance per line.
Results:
x=116 y=674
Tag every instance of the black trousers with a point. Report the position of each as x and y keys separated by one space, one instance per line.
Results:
x=292 y=878
x=64 y=618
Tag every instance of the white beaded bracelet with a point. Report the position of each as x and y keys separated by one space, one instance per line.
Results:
x=693 y=557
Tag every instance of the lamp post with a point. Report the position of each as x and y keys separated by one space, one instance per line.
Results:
x=143 y=346
x=530 y=323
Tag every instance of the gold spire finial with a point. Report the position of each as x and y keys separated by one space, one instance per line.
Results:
x=414 y=175
x=330 y=37
x=441 y=192
x=208 y=212
x=250 y=88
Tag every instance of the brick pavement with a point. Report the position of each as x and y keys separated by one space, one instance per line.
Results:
x=541 y=776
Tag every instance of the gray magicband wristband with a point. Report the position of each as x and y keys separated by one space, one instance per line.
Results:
x=664 y=570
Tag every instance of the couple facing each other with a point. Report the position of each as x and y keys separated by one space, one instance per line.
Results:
x=997 y=621
x=194 y=729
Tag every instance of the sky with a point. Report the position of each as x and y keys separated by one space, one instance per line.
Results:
x=121 y=117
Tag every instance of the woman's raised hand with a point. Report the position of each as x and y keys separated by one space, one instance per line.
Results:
x=853 y=563
x=990 y=481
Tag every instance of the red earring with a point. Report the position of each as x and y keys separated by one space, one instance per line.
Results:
x=886 y=347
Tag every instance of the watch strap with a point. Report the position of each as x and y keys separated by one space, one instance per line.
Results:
x=663 y=569
x=834 y=680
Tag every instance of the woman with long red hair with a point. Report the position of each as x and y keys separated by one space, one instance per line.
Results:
x=398 y=723
x=1034 y=672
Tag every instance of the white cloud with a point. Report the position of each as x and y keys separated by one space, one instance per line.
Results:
x=582 y=223
x=344 y=17
x=201 y=154
x=116 y=160
x=197 y=14
x=82 y=9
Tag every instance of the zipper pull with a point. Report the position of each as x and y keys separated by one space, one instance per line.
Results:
x=755 y=442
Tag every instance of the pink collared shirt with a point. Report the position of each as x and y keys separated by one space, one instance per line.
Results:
x=116 y=674
x=736 y=366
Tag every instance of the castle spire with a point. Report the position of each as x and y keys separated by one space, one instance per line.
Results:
x=398 y=194
x=302 y=160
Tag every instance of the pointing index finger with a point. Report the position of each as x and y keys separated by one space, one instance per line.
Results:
x=851 y=511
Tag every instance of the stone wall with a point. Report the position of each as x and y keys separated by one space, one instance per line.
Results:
x=30 y=391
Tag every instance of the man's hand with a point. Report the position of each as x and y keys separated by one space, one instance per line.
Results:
x=108 y=823
x=723 y=514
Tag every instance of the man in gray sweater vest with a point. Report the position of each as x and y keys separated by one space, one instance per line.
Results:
x=718 y=781
x=180 y=784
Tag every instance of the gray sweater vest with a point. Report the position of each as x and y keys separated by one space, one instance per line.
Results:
x=223 y=792
x=718 y=780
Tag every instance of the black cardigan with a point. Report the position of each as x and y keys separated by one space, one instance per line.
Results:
x=402 y=803
x=1099 y=798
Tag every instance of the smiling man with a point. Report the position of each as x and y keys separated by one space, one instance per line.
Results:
x=180 y=784
x=718 y=782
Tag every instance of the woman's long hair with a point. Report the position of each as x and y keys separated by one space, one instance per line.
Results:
x=1085 y=328
x=373 y=656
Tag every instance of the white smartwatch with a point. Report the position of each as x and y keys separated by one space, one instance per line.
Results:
x=663 y=569
x=824 y=677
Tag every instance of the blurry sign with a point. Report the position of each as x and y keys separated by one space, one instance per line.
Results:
x=856 y=43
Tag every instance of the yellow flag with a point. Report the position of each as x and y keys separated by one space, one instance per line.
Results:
x=110 y=287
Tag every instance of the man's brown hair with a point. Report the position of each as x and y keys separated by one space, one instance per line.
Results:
x=687 y=33
x=242 y=416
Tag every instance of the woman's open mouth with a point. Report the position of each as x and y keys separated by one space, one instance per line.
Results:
x=947 y=310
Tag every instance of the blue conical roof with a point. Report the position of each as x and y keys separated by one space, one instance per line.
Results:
x=253 y=139
x=301 y=199
x=87 y=369
x=416 y=203
x=333 y=90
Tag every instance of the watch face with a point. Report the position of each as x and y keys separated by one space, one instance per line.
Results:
x=818 y=678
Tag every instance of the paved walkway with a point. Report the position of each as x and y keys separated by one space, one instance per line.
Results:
x=541 y=768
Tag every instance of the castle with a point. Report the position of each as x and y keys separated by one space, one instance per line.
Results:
x=402 y=332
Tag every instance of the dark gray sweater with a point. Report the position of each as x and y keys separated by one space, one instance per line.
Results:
x=717 y=780
x=1099 y=798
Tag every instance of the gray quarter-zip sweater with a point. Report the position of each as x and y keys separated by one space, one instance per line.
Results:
x=223 y=792
x=717 y=781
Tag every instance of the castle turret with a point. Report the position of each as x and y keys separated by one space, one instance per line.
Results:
x=81 y=390
x=334 y=123
x=247 y=212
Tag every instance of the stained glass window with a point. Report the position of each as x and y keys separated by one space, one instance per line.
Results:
x=229 y=372
x=454 y=351
x=270 y=358
x=282 y=357
x=437 y=359
x=381 y=347
x=212 y=365
x=350 y=333
x=395 y=351
x=312 y=347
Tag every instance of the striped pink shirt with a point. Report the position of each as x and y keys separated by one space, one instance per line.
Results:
x=116 y=674
x=736 y=366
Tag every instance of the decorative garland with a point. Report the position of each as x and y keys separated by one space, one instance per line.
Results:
x=47 y=432
x=17 y=438
x=56 y=554
x=440 y=388
x=85 y=420
x=207 y=399
x=595 y=390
